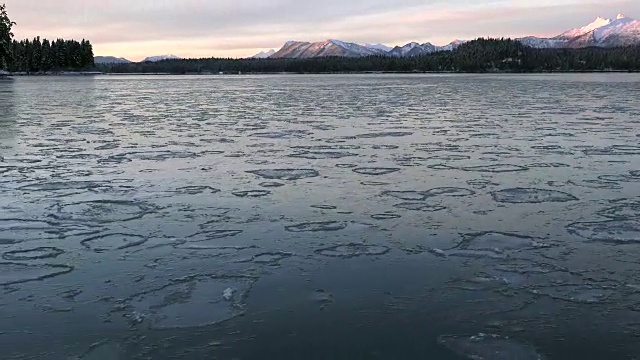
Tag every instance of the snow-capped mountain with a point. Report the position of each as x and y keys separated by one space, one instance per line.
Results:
x=382 y=47
x=263 y=54
x=301 y=49
x=160 y=58
x=414 y=49
x=542 y=43
x=452 y=45
x=601 y=32
x=597 y=23
x=110 y=60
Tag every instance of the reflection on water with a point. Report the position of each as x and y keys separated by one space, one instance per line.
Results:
x=320 y=217
x=7 y=109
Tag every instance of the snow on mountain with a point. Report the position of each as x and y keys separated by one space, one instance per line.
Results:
x=160 y=58
x=403 y=50
x=573 y=33
x=263 y=54
x=621 y=26
x=110 y=60
x=413 y=49
x=356 y=48
x=382 y=47
x=452 y=45
x=542 y=43
x=301 y=49
x=601 y=32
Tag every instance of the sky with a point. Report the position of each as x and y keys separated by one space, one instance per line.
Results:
x=135 y=29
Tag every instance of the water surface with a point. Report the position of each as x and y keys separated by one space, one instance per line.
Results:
x=320 y=217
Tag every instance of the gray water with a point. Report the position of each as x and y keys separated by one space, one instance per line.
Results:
x=320 y=217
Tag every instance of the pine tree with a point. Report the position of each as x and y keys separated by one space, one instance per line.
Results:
x=6 y=37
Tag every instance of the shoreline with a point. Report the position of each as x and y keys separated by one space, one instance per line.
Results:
x=7 y=75
x=56 y=73
x=381 y=72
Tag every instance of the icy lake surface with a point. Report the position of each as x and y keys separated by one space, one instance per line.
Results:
x=320 y=217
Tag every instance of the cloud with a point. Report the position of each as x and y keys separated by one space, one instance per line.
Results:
x=139 y=28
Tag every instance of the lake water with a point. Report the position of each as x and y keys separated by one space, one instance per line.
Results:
x=320 y=217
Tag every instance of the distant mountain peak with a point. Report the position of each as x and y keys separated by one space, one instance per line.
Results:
x=596 y=24
x=264 y=54
x=110 y=60
x=602 y=32
x=160 y=58
x=382 y=47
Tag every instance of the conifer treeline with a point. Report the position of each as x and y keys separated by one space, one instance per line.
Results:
x=481 y=55
x=38 y=55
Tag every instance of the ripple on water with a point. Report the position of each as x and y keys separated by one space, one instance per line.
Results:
x=409 y=195
x=252 y=193
x=548 y=165
x=115 y=241
x=193 y=302
x=419 y=206
x=531 y=196
x=271 y=184
x=373 y=183
x=6 y=169
x=480 y=183
x=324 y=207
x=16 y=273
x=213 y=234
x=627 y=211
x=13 y=231
x=449 y=191
x=104 y=350
x=102 y=211
x=63 y=185
x=285 y=174
x=353 y=250
x=386 y=216
x=614 y=150
x=496 y=168
x=582 y=294
x=435 y=192
x=382 y=134
x=449 y=157
x=149 y=156
x=33 y=254
x=375 y=170
x=498 y=242
x=271 y=258
x=317 y=226
x=489 y=347
x=596 y=184
x=196 y=190
x=612 y=231
x=284 y=134
x=319 y=155
x=346 y=166
x=385 y=147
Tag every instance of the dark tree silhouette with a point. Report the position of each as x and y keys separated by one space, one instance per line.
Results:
x=6 y=36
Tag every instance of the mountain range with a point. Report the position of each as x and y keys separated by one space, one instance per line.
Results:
x=602 y=32
x=117 y=60
x=110 y=60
